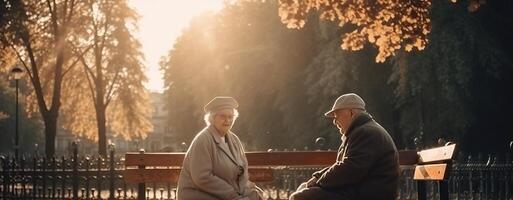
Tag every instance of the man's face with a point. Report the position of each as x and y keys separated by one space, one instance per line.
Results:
x=223 y=120
x=342 y=118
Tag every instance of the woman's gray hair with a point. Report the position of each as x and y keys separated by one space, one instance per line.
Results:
x=209 y=116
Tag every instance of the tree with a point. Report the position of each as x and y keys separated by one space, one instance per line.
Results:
x=257 y=61
x=39 y=32
x=112 y=73
x=390 y=25
x=286 y=79
x=454 y=89
x=50 y=38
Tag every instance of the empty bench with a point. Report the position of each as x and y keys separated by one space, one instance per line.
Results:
x=430 y=165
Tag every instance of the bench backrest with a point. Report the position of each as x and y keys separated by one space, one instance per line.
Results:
x=435 y=163
x=431 y=164
x=165 y=167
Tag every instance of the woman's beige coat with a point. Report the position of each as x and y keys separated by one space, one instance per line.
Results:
x=215 y=169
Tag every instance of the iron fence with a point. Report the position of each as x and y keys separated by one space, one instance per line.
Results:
x=84 y=177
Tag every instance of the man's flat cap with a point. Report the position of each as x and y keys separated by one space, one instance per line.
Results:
x=349 y=100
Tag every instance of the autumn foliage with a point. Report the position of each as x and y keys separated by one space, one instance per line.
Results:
x=389 y=25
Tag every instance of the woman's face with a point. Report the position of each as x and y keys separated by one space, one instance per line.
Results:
x=223 y=120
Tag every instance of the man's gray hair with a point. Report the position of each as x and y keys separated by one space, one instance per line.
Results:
x=358 y=110
x=209 y=116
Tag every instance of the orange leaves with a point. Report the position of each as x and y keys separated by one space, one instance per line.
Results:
x=387 y=24
x=408 y=47
x=292 y=13
x=371 y=37
x=353 y=41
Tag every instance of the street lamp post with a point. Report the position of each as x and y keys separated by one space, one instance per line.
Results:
x=16 y=72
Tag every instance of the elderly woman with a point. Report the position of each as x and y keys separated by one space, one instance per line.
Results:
x=215 y=166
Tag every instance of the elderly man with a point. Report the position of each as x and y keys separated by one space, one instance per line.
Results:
x=367 y=165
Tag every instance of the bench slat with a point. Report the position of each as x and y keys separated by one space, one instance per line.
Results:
x=261 y=174
x=154 y=159
x=151 y=175
x=430 y=172
x=303 y=158
x=171 y=175
x=312 y=158
x=437 y=154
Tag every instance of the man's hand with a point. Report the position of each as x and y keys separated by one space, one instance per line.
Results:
x=312 y=182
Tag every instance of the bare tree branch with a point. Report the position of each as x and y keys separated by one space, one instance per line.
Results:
x=110 y=93
x=106 y=28
x=53 y=15
x=89 y=76
x=20 y=58
x=77 y=60
x=88 y=69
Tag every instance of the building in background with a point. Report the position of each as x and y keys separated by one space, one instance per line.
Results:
x=161 y=139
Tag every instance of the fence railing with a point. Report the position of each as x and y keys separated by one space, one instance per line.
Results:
x=82 y=177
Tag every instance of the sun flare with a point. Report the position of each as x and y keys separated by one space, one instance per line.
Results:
x=160 y=23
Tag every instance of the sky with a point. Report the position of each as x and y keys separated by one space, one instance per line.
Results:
x=160 y=23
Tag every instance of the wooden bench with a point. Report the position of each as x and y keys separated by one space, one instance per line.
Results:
x=430 y=165
x=433 y=164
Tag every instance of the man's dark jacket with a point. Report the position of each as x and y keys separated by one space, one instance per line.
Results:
x=367 y=163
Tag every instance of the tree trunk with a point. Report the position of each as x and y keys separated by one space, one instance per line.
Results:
x=102 y=130
x=100 y=106
x=50 y=121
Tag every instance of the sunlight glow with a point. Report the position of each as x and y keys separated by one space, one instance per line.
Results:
x=160 y=23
